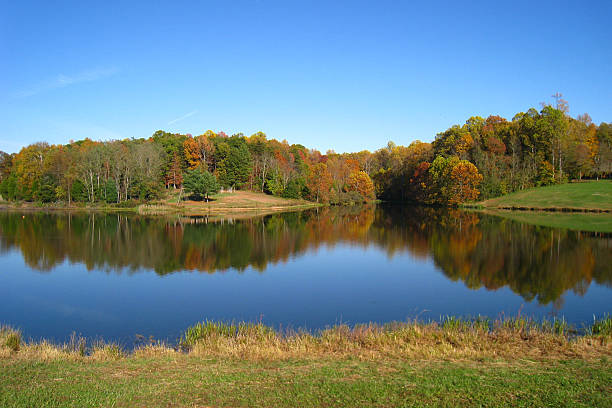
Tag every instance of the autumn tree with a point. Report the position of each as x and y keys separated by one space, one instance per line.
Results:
x=174 y=174
x=465 y=181
x=361 y=183
x=28 y=166
x=319 y=183
x=199 y=150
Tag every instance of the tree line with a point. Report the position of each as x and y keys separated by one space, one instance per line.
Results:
x=480 y=159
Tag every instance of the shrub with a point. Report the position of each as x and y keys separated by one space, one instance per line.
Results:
x=346 y=198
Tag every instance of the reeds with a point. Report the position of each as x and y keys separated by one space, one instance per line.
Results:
x=601 y=327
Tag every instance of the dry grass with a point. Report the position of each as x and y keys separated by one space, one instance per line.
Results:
x=234 y=203
x=411 y=341
x=452 y=339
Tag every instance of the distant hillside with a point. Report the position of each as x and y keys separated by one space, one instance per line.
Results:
x=592 y=195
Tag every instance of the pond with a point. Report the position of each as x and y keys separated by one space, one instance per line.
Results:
x=116 y=276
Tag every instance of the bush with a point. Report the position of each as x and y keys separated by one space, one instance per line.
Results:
x=131 y=203
x=294 y=189
x=346 y=198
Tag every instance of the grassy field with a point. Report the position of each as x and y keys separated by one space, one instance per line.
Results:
x=454 y=363
x=195 y=382
x=227 y=203
x=590 y=195
x=574 y=221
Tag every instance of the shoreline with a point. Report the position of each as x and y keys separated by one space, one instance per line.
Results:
x=520 y=208
x=454 y=363
x=208 y=336
x=161 y=209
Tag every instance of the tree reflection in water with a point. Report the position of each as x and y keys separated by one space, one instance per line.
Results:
x=481 y=250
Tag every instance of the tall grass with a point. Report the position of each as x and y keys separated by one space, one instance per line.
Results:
x=210 y=329
x=10 y=338
x=601 y=327
x=449 y=338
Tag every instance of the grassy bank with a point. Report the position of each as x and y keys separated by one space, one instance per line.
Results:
x=590 y=195
x=600 y=222
x=513 y=362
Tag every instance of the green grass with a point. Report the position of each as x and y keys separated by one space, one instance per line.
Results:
x=194 y=381
x=575 y=221
x=454 y=363
x=602 y=327
x=593 y=195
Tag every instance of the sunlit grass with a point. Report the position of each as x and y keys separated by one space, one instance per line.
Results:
x=601 y=222
x=450 y=337
x=449 y=362
x=595 y=195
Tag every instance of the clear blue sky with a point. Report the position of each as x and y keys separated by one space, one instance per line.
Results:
x=330 y=75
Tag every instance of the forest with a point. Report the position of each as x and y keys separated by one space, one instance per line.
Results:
x=480 y=159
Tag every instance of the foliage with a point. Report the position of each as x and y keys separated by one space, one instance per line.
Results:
x=465 y=179
x=200 y=183
x=483 y=158
x=319 y=183
x=362 y=184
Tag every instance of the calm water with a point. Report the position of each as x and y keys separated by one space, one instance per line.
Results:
x=115 y=276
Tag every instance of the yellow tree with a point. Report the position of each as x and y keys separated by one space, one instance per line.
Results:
x=465 y=181
x=29 y=168
x=360 y=182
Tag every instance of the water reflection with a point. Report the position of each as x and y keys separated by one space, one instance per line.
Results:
x=538 y=263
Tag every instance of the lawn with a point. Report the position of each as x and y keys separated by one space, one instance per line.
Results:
x=575 y=221
x=454 y=363
x=186 y=381
x=592 y=195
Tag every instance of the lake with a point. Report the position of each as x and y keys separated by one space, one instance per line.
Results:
x=116 y=276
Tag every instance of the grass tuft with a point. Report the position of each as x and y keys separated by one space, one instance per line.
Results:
x=107 y=351
x=209 y=330
x=11 y=338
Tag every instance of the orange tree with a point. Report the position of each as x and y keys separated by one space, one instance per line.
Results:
x=319 y=182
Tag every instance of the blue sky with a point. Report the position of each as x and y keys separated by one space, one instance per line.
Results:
x=330 y=75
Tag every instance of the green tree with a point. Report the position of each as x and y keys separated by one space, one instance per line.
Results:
x=200 y=183
x=233 y=161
